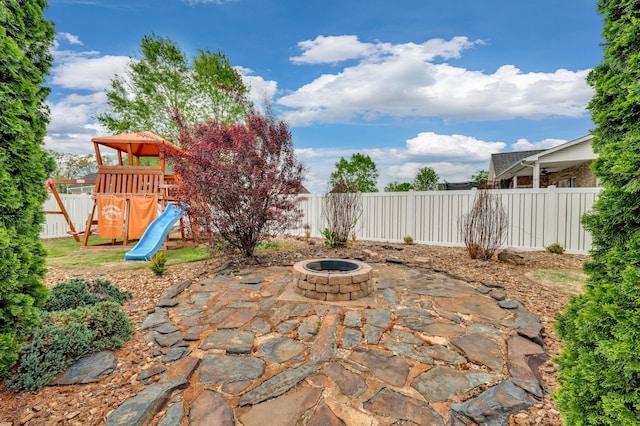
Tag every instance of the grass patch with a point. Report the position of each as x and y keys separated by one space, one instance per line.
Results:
x=571 y=282
x=66 y=253
x=272 y=245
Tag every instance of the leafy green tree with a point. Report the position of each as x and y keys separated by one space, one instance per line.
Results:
x=599 y=366
x=25 y=58
x=164 y=81
x=74 y=166
x=396 y=186
x=360 y=171
x=479 y=179
x=426 y=180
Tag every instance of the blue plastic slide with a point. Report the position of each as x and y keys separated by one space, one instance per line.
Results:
x=155 y=234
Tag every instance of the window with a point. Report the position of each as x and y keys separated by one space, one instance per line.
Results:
x=568 y=183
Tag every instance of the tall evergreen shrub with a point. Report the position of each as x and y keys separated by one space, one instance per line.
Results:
x=599 y=367
x=25 y=58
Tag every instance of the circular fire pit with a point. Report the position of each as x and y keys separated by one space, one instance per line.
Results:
x=332 y=279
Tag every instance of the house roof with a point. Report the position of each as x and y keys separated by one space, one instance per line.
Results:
x=504 y=160
x=545 y=158
x=564 y=146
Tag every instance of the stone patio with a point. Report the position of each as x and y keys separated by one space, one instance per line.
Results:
x=240 y=346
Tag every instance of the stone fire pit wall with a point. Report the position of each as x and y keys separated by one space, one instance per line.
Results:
x=350 y=280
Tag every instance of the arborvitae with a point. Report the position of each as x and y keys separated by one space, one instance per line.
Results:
x=599 y=367
x=25 y=58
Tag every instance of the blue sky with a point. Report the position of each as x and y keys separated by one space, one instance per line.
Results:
x=412 y=83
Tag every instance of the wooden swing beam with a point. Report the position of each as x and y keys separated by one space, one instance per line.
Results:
x=51 y=183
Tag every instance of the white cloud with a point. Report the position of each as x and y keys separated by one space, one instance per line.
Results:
x=459 y=147
x=332 y=49
x=404 y=80
x=87 y=70
x=74 y=112
x=307 y=154
x=81 y=79
x=453 y=157
x=446 y=171
x=69 y=38
x=71 y=126
x=260 y=90
x=525 y=145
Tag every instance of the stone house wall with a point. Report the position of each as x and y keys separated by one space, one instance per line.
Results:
x=582 y=173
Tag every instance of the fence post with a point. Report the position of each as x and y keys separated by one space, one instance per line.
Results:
x=316 y=217
x=551 y=217
x=411 y=215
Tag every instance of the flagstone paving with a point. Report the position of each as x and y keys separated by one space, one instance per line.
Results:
x=242 y=347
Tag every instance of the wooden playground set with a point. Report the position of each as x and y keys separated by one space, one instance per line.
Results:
x=127 y=196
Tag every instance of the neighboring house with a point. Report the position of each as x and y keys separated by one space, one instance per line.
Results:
x=83 y=188
x=565 y=166
x=454 y=186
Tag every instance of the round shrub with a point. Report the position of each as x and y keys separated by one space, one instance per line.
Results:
x=50 y=351
x=65 y=336
x=79 y=292
x=555 y=248
x=106 y=319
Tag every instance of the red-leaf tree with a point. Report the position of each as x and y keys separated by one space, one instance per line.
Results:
x=240 y=180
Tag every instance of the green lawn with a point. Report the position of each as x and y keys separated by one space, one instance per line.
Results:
x=66 y=253
x=571 y=282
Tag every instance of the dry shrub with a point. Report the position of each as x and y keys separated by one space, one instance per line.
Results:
x=484 y=228
x=341 y=210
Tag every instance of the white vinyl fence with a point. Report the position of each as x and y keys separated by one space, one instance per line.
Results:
x=78 y=207
x=537 y=217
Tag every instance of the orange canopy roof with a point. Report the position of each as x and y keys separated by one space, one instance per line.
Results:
x=140 y=144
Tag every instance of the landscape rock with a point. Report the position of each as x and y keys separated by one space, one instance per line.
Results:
x=158 y=317
x=350 y=384
x=230 y=368
x=386 y=366
x=278 y=384
x=88 y=369
x=142 y=408
x=151 y=371
x=284 y=410
x=441 y=383
x=481 y=349
x=282 y=349
x=494 y=406
x=174 y=414
x=232 y=341
x=324 y=347
x=390 y=403
x=323 y=416
x=520 y=350
x=210 y=408
x=511 y=255
x=175 y=289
